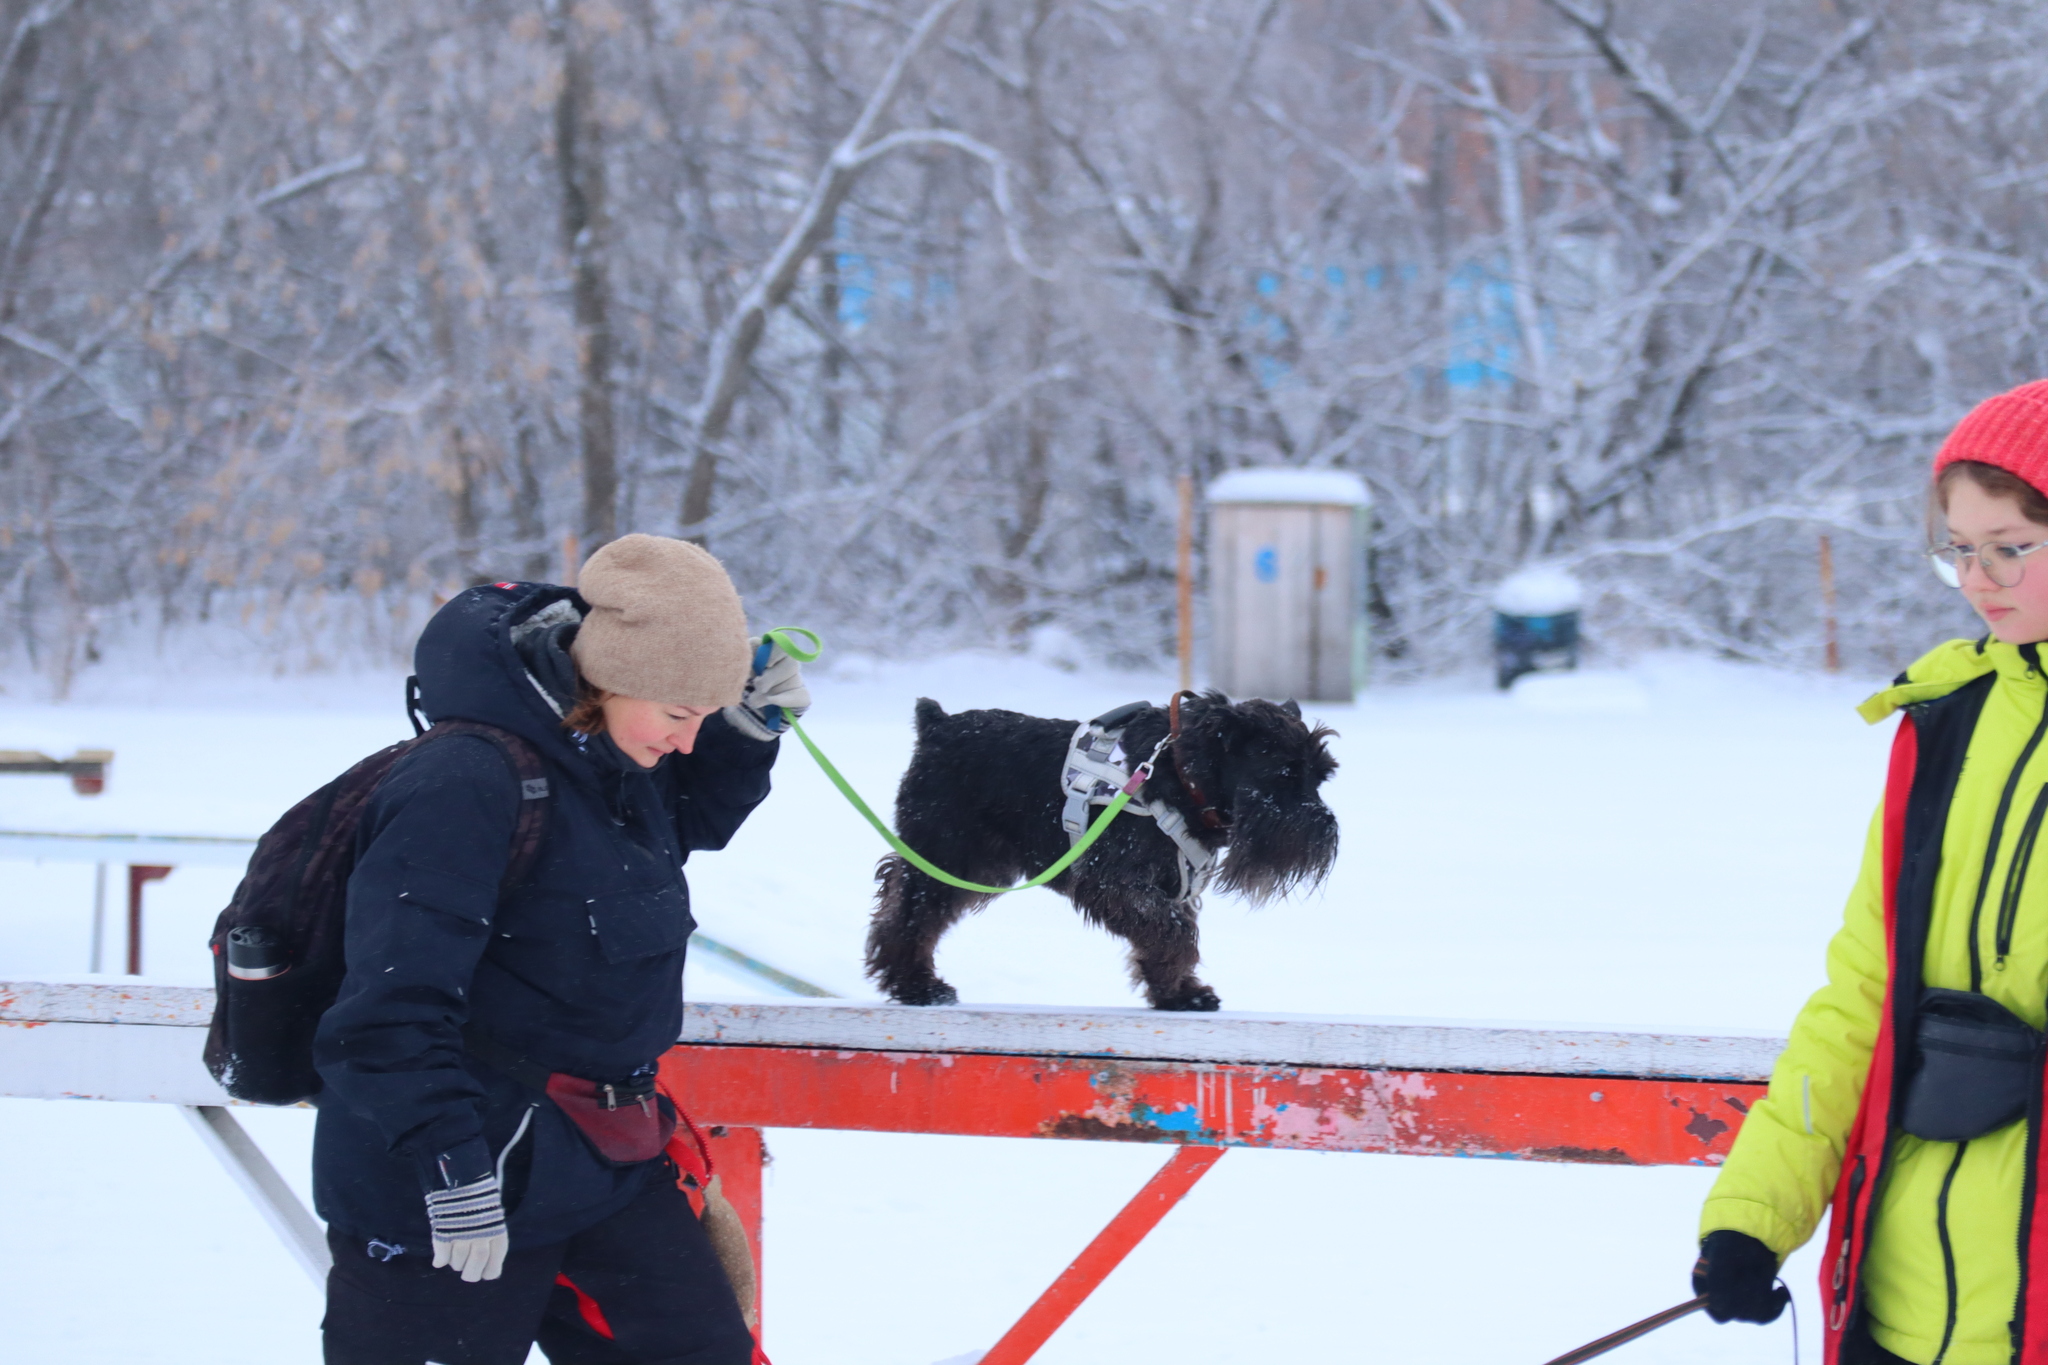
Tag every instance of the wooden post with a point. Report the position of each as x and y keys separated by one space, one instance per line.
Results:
x=1827 y=605
x=572 y=559
x=1184 y=584
x=138 y=875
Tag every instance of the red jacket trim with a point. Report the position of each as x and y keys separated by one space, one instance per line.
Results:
x=1863 y=1157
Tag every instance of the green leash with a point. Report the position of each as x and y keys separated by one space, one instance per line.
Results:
x=782 y=635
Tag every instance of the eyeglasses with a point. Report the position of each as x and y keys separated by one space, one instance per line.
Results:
x=2004 y=565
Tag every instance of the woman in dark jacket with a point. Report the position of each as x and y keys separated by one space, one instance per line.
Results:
x=488 y=1150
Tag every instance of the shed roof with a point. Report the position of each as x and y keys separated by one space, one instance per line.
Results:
x=1317 y=486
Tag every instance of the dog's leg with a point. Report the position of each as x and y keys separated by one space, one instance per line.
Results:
x=1165 y=943
x=912 y=913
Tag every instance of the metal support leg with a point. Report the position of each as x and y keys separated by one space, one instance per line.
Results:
x=138 y=875
x=294 y=1224
x=99 y=917
x=1103 y=1255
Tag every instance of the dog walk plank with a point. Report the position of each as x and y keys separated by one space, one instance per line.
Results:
x=1230 y=1037
x=1136 y=1034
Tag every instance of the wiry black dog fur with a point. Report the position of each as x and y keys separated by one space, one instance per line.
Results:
x=982 y=800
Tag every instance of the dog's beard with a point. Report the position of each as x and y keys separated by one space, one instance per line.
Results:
x=1276 y=849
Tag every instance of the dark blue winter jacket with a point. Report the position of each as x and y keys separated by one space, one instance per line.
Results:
x=577 y=968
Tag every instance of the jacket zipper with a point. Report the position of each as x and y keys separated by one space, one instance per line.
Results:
x=1838 y=1313
x=2016 y=879
x=2012 y=783
x=1948 y=1251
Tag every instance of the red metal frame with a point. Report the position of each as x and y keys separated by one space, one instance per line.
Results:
x=139 y=874
x=1201 y=1107
x=1152 y=1203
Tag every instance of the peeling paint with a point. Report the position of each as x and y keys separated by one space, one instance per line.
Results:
x=1093 y=1128
x=1704 y=1128
x=1182 y=1120
x=1605 y=1156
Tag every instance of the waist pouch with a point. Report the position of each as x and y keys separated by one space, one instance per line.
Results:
x=625 y=1122
x=1976 y=1066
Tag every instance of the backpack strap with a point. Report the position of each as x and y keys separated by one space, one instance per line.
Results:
x=533 y=790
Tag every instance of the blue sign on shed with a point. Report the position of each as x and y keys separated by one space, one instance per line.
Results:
x=1287 y=583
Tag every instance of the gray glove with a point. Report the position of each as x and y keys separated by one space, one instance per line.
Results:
x=775 y=695
x=469 y=1229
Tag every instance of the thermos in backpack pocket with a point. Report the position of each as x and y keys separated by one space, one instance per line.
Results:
x=256 y=954
x=261 y=1045
x=1975 y=1066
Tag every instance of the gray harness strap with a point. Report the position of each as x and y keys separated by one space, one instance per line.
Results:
x=1094 y=773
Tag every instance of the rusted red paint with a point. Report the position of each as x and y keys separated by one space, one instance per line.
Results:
x=1607 y=1120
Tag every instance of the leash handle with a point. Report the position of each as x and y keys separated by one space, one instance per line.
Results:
x=1631 y=1332
x=785 y=636
x=803 y=654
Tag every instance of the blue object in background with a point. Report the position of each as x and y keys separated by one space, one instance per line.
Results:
x=1266 y=564
x=1534 y=644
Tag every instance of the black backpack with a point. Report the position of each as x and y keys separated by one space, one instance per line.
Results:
x=277 y=948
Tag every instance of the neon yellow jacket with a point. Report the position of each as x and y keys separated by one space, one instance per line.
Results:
x=1778 y=1179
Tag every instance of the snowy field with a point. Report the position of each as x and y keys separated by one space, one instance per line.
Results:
x=1666 y=846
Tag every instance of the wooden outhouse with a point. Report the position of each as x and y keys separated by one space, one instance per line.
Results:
x=1287 y=583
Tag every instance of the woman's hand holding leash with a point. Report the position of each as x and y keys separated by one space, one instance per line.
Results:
x=776 y=694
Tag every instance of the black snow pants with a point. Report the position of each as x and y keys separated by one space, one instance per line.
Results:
x=641 y=1288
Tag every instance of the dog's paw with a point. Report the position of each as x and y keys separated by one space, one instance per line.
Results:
x=1197 y=998
x=937 y=993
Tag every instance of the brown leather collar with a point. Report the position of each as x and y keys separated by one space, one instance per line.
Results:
x=1205 y=810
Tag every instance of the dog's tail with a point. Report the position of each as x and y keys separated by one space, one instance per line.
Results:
x=929 y=714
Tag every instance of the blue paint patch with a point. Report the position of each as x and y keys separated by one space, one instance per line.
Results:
x=1183 y=1120
x=1266 y=564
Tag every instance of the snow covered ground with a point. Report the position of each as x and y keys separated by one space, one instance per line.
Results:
x=1663 y=846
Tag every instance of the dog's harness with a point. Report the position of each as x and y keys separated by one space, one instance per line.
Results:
x=1094 y=773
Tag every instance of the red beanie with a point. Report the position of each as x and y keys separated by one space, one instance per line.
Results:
x=2010 y=431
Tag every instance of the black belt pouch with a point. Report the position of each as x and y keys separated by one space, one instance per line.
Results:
x=1976 y=1065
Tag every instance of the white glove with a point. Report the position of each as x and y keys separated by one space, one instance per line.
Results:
x=469 y=1229
x=775 y=695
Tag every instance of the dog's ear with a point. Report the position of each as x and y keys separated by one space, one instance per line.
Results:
x=1291 y=707
x=1325 y=761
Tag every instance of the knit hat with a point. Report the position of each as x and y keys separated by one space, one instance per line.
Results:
x=2010 y=431
x=665 y=624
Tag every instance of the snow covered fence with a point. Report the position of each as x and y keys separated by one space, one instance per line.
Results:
x=1202 y=1082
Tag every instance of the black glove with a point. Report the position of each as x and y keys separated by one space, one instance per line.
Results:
x=1739 y=1274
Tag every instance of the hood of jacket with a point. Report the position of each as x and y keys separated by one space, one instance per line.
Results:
x=470 y=666
x=1950 y=665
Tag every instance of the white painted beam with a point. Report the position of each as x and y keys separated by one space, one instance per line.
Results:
x=67 y=1061
x=1228 y=1037
x=95 y=1062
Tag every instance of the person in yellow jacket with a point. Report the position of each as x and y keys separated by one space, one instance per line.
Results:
x=1908 y=1103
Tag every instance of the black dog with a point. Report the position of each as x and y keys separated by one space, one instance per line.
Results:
x=983 y=799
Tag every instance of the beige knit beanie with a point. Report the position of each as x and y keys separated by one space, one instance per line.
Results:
x=665 y=624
